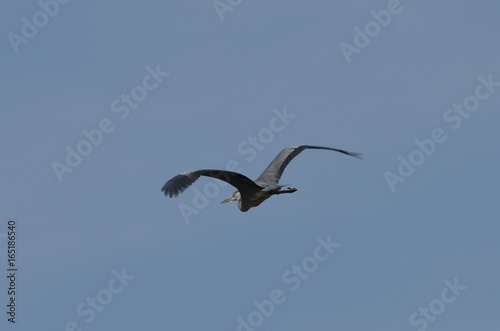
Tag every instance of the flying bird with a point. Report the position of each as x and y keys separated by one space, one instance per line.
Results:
x=249 y=193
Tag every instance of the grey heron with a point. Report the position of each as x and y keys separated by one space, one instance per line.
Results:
x=249 y=193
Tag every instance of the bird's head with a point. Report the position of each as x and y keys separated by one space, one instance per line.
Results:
x=236 y=196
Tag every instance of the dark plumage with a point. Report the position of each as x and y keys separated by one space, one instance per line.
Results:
x=249 y=193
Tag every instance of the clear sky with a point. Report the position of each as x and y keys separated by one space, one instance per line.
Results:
x=104 y=102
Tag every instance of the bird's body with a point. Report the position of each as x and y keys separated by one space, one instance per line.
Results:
x=250 y=193
x=258 y=197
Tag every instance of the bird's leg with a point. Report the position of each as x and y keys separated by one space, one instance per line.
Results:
x=287 y=190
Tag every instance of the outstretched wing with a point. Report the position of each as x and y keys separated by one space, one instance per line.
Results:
x=273 y=172
x=179 y=183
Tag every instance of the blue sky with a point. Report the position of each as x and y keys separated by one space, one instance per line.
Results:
x=142 y=91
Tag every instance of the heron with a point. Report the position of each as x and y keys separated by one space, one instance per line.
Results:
x=249 y=193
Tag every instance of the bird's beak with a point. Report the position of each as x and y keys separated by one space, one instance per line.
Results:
x=228 y=200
